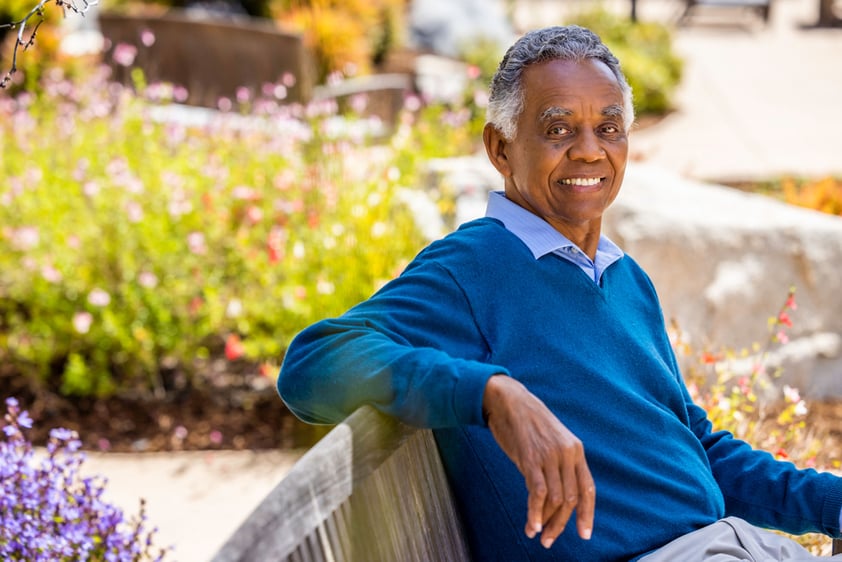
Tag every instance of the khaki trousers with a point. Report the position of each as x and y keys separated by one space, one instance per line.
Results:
x=731 y=540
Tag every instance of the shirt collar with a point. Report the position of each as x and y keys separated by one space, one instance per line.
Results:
x=540 y=237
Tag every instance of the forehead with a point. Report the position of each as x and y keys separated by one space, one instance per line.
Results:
x=570 y=85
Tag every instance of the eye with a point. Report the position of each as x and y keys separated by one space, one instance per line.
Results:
x=611 y=130
x=558 y=131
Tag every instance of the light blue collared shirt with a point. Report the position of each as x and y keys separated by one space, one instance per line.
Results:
x=542 y=239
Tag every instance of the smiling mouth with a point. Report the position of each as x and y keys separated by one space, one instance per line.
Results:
x=581 y=182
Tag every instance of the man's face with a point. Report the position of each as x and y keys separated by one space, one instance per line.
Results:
x=567 y=161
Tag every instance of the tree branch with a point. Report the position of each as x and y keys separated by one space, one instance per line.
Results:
x=22 y=44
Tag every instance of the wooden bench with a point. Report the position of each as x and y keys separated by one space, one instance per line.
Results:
x=372 y=489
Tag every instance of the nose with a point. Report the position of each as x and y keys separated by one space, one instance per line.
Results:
x=586 y=147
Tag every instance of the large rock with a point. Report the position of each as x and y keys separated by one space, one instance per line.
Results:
x=722 y=261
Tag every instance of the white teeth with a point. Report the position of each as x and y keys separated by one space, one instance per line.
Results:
x=581 y=181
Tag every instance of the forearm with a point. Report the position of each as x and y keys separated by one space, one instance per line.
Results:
x=413 y=351
x=336 y=366
x=771 y=493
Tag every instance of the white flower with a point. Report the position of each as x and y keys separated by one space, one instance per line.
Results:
x=791 y=394
x=324 y=287
x=298 y=250
x=234 y=308
x=99 y=297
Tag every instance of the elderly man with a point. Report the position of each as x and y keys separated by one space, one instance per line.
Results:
x=536 y=350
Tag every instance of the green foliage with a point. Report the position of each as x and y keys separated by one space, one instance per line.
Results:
x=132 y=245
x=645 y=51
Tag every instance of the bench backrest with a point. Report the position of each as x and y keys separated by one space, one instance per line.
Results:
x=371 y=489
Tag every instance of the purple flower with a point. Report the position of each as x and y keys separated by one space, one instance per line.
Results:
x=51 y=512
x=24 y=420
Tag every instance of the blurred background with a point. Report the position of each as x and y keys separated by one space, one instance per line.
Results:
x=186 y=185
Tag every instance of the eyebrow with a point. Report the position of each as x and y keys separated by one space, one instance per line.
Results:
x=614 y=110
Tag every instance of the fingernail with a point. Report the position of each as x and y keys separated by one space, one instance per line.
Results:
x=547 y=542
x=586 y=534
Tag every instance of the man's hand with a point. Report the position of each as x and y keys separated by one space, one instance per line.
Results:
x=550 y=457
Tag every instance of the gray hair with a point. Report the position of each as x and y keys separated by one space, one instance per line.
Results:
x=552 y=43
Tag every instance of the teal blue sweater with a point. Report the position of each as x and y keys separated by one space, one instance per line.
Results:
x=478 y=303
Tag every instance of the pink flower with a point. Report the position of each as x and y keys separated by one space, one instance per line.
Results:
x=82 y=322
x=782 y=337
x=783 y=318
x=25 y=238
x=180 y=94
x=51 y=274
x=147 y=279
x=196 y=243
x=124 y=54
x=790 y=302
x=147 y=37
x=215 y=437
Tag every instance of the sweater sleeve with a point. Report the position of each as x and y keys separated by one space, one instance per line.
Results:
x=413 y=351
x=765 y=491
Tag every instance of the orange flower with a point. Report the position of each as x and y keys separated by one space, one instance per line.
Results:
x=709 y=358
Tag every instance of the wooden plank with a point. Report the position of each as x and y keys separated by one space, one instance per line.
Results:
x=837 y=546
x=372 y=489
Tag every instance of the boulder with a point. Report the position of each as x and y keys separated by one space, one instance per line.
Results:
x=723 y=261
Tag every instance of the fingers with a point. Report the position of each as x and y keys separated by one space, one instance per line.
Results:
x=587 y=503
x=537 y=487
x=576 y=491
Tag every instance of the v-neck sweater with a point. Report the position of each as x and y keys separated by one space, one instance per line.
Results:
x=477 y=303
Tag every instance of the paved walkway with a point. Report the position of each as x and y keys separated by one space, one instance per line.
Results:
x=755 y=102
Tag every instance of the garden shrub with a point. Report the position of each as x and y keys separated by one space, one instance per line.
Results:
x=50 y=512
x=348 y=37
x=644 y=49
x=134 y=248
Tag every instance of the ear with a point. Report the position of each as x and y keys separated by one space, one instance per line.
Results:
x=496 y=146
